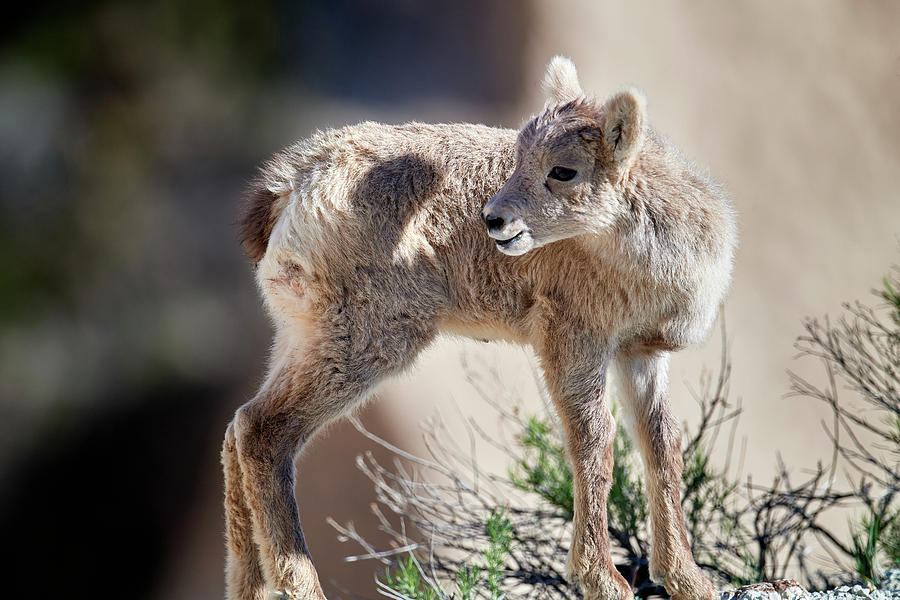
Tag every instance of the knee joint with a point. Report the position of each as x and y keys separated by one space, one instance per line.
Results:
x=249 y=430
x=268 y=437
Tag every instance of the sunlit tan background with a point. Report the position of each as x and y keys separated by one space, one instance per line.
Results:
x=129 y=326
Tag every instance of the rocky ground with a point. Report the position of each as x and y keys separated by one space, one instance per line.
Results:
x=791 y=590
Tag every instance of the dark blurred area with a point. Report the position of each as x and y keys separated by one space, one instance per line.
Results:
x=130 y=328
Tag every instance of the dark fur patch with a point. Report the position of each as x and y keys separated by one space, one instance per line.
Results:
x=256 y=219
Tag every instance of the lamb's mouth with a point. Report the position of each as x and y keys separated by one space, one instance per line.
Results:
x=504 y=244
x=517 y=245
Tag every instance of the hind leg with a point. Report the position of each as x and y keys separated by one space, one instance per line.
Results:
x=309 y=385
x=244 y=577
x=644 y=380
x=269 y=430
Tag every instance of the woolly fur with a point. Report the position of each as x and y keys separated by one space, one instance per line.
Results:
x=368 y=241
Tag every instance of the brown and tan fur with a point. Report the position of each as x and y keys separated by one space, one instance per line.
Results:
x=370 y=240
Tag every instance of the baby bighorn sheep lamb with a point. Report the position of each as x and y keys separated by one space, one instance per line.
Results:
x=604 y=246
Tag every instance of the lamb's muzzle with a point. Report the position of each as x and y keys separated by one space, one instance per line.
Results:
x=510 y=233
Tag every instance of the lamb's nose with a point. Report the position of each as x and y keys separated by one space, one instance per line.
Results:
x=492 y=221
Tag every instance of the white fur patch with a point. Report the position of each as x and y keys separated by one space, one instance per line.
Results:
x=561 y=81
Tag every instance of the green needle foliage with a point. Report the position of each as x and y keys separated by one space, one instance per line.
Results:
x=890 y=541
x=865 y=548
x=499 y=532
x=406 y=579
x=484 y=580
x=543 y=468
x=468 y=579
x=891 y=293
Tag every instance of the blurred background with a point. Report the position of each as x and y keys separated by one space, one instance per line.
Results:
x=130 y=329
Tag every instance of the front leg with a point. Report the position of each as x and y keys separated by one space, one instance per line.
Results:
x=643 y=379
x=575 y=366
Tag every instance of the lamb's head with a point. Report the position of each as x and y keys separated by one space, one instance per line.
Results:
x=571 y=162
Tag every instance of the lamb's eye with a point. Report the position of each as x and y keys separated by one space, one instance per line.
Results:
x=562 y=173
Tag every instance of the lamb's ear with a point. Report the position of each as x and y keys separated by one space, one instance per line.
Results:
x=561 y=81
x=624 y=123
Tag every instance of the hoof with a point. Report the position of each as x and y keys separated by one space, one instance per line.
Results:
x=284 y=595
x=688 y=585
x=603 y=586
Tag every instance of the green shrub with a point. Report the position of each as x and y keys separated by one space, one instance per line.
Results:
x=739 y=532
x=407 y=580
